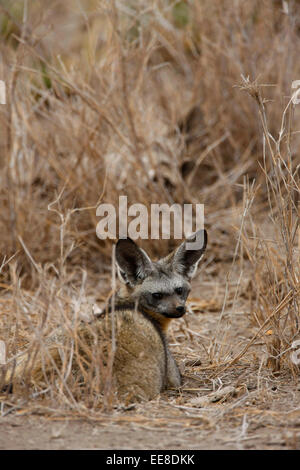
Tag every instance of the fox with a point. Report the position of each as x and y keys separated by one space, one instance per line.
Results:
x=150 y=295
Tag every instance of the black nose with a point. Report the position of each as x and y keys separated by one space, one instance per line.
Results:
x=180 y=310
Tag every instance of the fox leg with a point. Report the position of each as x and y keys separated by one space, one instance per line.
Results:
x=173 y=373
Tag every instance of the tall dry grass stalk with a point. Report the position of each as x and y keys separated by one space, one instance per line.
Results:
x=274 y=251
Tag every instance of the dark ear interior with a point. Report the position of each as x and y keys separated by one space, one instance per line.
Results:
x=133 y=263
x=189 y=253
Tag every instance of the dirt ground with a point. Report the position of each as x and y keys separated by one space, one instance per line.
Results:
x=254 y=408
x=29 y=432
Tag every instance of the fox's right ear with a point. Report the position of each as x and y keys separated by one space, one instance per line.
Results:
x=187 y=256
x=133 y=263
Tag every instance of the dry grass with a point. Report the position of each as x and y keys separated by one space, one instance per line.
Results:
x=146 y=99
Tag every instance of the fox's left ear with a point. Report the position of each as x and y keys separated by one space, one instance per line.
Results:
x=133 y=263
x=187 y=256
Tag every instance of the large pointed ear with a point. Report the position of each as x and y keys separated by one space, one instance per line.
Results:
x=187 y=256
x=133 y=263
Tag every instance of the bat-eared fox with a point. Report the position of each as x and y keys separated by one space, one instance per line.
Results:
x=151 y=294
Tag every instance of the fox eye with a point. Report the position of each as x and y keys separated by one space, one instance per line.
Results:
x=179 y=290
x=157 y=295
